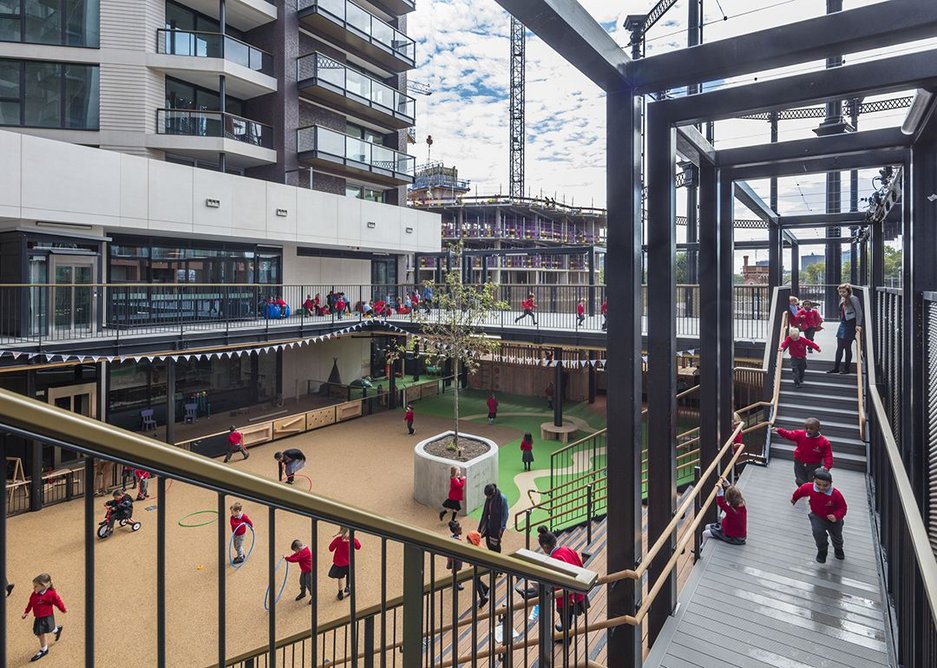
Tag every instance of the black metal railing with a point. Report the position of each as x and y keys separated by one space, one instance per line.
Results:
x=424 y=562
x=213 y=124
x=363 y=25
x=213 y=45
x=930 y=376
x=908 y=559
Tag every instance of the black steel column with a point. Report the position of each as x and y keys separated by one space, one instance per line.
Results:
x=170 y=400
x=160 y=572
x=412 y=647
x=833 y=124
x=3 y=552
x=864 y=261
x=222 y=563
x=90 y=537
x=709 y=327
x=775 y=277
x=623 y=280
x=222 y=87
x=35 y=454
x=559 y=390
x=795 y=269
x=661 y=352
x=726 y=355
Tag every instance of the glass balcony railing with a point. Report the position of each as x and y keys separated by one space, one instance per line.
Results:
x=213 y=45
x=213 y=124
x=377 y=158
x=365 y=25
x=356 y=85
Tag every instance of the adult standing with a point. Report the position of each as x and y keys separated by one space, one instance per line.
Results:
x=290 y=461
x=494 y=518
x=851 y=320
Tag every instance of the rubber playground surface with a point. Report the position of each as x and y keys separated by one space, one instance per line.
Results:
x=366 y=462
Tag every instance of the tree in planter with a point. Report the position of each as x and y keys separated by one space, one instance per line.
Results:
x=454 y=332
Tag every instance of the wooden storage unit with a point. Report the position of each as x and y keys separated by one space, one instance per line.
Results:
x=321 y=417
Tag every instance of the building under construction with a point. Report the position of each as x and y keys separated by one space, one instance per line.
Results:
x=533 y=241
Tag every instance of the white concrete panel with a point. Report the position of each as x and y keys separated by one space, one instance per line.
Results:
x=351 y=221
x=170 y=195
x=77 y=183
x=317 y=216
x=134 y=174
x=386 y=231
x=250 y=196
x=11 y=156
x=283 y=199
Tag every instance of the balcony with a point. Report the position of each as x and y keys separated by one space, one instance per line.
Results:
x=359 y=31
x=332 y=83
x=204 y=134
x=320 y=147
x=200 y=57
x=396 y=7
x=241 y=14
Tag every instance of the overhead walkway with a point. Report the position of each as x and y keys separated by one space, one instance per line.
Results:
x=768 y=602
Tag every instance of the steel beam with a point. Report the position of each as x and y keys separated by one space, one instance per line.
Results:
x=875 y=158
x=692 y=145
x=845 y=219
x=661 y=351
x=860 y=29
x=874 y=77
x=725 y=359
x=623 y=278
x=572 y=32
x=800 y=149
x=753 y=202
x=709 y=303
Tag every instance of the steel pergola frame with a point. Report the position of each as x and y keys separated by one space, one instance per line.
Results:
x=565 y=26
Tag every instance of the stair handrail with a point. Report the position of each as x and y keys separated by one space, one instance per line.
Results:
x=917 y=530
x=778 y=366
x=860 y=375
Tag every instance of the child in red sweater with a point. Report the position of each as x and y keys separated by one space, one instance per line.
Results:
x=302 y=555
x=527 y=450
x=733 y=529
x=798 y=349
x=408 y=418
x=569 y=606
x=239 y=523
x=604 y=311
x=456 y=493
x=809 y=320
x=580 y=312
x=341 y=558
x=492 y=408
x=527 y=305
x=42 y=601
x=827 y=510
x=813 y=449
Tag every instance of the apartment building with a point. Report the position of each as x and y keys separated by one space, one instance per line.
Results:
x=246 y=143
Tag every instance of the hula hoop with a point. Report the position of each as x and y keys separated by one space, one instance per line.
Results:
x=198 y=524
x=286 y=574
x=308 y=479
x=231 y=545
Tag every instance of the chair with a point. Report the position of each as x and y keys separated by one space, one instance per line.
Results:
x=149 y=422
x=191 y=412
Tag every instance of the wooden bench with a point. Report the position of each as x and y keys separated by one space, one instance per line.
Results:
x=550 y=432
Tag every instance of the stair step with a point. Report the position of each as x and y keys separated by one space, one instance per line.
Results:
x=831 y=429
x=796 y=397
x=818 y=383
x=836 y=414
x=847 y=461
x=833 y=378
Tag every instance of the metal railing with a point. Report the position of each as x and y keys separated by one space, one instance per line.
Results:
x=364 y=25
x=213 y=45
x=907 y=557
x=352 y=149
x=318 y=69
x=192 y=123
x=40 y=313
x=34 y=420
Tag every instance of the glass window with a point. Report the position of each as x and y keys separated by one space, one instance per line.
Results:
x=43 y=95
x=43 y=21
x=81 y=96
x=49 y=95
x=68 y=22
x=82 y=23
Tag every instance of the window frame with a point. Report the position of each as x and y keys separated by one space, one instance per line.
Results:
x=63 y=95
x=20 y=16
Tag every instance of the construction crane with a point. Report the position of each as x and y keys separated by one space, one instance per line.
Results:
x=518 y=134
x=419 y=88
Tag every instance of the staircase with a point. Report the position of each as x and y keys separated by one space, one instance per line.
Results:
x=832 y=399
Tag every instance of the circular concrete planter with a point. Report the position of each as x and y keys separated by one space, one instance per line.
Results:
x=431 y=474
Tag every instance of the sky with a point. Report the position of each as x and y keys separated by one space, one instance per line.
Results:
x=463 y=54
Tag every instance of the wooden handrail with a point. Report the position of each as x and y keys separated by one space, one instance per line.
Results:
x=860 y=358
x=778 y=364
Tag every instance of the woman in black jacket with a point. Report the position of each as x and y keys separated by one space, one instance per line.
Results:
x=850 y=322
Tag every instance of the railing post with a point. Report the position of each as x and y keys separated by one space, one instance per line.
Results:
x=697 y=508
x=545 y=628
x=527 y=528
x=368 y=642
x=412 y=645
x=589 y=514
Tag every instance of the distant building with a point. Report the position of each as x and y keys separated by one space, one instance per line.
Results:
x=813 y=258
x=754 y=274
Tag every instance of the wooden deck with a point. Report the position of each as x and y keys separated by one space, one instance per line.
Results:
x=769 y=603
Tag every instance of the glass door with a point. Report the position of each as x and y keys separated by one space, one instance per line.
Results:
x=76 y=399
x=73 y=291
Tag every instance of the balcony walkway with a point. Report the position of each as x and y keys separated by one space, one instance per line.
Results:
x=769 y=603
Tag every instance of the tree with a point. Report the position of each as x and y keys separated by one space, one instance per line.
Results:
x=455 y=331
x=813 y=274
x=892 y=262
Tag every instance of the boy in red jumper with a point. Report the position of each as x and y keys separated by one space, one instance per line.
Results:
x=408 y=418
x=580 y=312
x=798 y=348
x=604 y=311
x=809 y=320
x=42 y=601
x=813 y=449
x=528 y=305
x=239 y=523
x=827 y=510
x=302 y=555
x=341 y=558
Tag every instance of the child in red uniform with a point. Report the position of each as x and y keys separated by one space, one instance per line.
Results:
x=809 y=320
x=143 y=483
x=734 y=525
x=42 y=601
x=235 y=444
x=492 y=408
x=527 y=450
x=238 y=521
x=408 y=418
x=528 y=305
x=827 y=510
x=813 y=449
x=798 y=349
x=793 y=308
x=341 y=557
x=456 y=493
x=302 y=555
x=340 y=305
x=604 y=310
x=580 y=312
x=570 y=605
